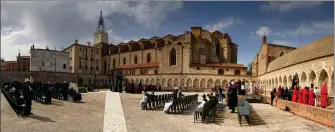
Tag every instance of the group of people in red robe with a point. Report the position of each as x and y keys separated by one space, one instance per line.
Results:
x=307 y=96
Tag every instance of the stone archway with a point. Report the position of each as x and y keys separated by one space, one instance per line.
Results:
x=224 y=83
x=196 y=83
x=158 y=81
x=164 y=84
x=182 y=82
x=312 y=79
x=323 y=77
x=152 y=81
x=280 y=81
x=137 y=81
x=189 y=83
x=331 y=88
x=169 y=82
x=210 y=83
x=217 y=83
x=285 y=81
x=175 y=82
x=147 y=81
x=303 y=79
x=289 y=81
x=203 y=83
x=276 y=83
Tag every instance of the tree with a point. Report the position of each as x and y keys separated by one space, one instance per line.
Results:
x=249 y=69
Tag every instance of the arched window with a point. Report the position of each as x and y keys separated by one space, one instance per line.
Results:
x=135 y=59
x=237 y=72
x=148 y=58
x=220 y=71
x=173 y=57
x=124 y=60
x=281 y=53
x=113 y=63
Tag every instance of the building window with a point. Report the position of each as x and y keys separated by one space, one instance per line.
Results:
x=282 y=53
x=148 y=58
x=135 y=59
x=227 y=69
x=97 y=52
x=156 y=71
x=172 y=57
x=124 y=60
x=220 y=71
x=114 y=63
x=64 y=66
x=79 y=48
x=42 y=63
x=80 y=65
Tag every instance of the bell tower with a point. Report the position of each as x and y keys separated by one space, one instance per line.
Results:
x=100 y=35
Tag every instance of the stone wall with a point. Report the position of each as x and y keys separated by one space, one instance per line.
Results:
x=317 y=114
x=53 y=77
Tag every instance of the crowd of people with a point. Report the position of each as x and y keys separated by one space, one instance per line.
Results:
x=302 y=95
x=24 y=92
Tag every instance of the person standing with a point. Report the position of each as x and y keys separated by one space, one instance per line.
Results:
x=324 y=94
x=273 y=95
x=311 y=96
x=295 y=94
x=317 y=92
x=233 y=98
x=28 y=96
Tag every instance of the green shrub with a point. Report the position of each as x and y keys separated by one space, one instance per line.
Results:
x=82 y=90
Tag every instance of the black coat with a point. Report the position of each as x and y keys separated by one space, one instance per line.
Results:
x=27 y=93
x=232 y=98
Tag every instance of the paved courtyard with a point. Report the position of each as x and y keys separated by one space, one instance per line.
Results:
x=120 y=113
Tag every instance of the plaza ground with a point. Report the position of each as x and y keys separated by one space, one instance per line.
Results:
x=121 y=115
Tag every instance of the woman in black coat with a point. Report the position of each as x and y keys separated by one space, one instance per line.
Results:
x=232 y=99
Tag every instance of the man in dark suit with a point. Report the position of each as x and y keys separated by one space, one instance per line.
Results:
x=28 y=96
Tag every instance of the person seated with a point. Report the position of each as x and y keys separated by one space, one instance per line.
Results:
x=74 y=95
x=144 y=100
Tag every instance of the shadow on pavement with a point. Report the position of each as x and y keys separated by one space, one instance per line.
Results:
x=255 y=119
x=40 y=118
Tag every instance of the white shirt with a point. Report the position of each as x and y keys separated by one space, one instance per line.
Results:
x=202 y=104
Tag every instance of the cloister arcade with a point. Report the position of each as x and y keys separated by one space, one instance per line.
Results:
x=306 y=78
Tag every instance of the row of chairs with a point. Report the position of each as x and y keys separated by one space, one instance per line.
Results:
x=39 y=96
x=184 y=89
x=17 y=104
x=157 y=101
x=182 y=103
x=209 y=110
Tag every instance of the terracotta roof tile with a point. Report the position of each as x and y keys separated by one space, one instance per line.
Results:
x=140 y=65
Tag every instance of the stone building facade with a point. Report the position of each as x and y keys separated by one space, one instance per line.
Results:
x=10 y=66
x=197 y=58
x=313 y=64
x=48 y=60
x=23 y=63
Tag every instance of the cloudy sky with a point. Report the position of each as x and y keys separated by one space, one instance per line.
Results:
x=58 y=24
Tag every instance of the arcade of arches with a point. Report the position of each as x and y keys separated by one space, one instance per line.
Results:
x=313 y=73
x=191 y=81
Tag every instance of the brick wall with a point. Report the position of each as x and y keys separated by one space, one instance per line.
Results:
x=317 y=114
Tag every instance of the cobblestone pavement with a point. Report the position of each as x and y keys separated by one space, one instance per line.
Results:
x=265 y=119
x=61 y=116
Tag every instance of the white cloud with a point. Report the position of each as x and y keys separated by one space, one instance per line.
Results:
x=59 y=23
x=263 y=31
x=225 y=23
x=320 y=27
x=285 y=6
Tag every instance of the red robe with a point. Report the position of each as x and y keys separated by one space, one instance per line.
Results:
x=294 y=95
x=311 y=98
x=300 y=96
x=324 y=94
x=304 y=98
x=278 y=93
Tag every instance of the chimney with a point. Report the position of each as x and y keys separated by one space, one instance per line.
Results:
x=88 y=43
x=264 y=40
x=33 y=47
x=19 y=54
x=75 y=41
